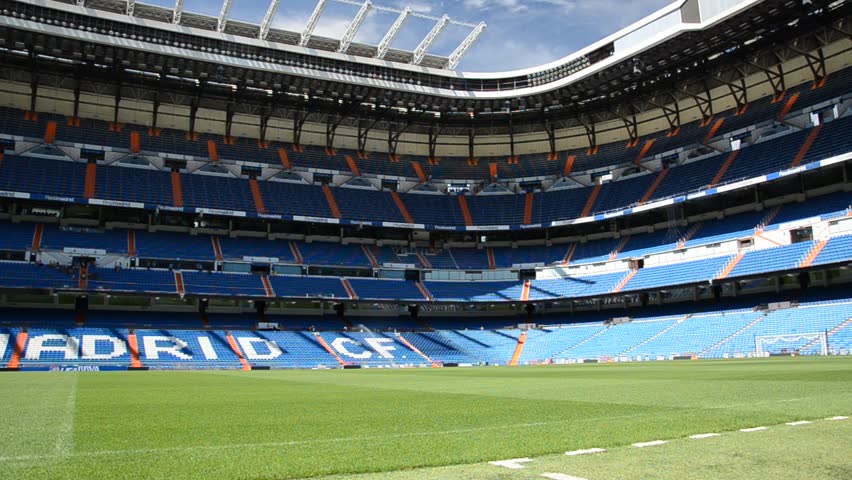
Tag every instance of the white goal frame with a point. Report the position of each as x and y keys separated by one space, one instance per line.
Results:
x=816 y=338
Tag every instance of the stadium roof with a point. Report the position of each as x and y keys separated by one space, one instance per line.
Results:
x=680 y=52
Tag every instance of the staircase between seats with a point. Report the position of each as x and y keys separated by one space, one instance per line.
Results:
x=731 y=336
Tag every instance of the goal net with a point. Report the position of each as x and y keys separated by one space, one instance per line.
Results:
x=792 y=344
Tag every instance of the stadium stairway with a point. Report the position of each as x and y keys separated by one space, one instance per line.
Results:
x=814 y=253
x=582 y=342
x=519 y=349
x=414 y=349
x=133 y=348
x=423 y=290
x=733 y=335
x=237 y=351
x=18 y=349
x=653 y=188
x=590 y=203
x=730 y=266
x=257 y=196
x=332 y=203
x=91 y=179
x=788 y=106
x=38 y=234
x=468 y=219
x=528 y=208
x=177 y=189
x=723 y=169
x=403 y=210
x=618 y=288
x=657 y=335
x=812 y=136
x=834 y=331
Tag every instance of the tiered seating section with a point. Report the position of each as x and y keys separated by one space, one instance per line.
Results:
x=174 y=246
x=167 y=341
x=224 y=191
x=171 y=247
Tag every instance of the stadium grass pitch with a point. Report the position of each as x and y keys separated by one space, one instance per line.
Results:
x=446 y=423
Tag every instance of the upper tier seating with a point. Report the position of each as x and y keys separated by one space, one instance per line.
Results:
x=97 y=132
x=225 y=192
x=66 y=178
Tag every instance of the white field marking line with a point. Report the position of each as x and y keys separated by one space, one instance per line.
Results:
x=560 y=476
x=800 y=422
x=514 y=464
x=65 y=438
x=585 y=452
x=834 y=419
x=650 y=444
x=753 y=429
x=98 y=453
x=702 y=436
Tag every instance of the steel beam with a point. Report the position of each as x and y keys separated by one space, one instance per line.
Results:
x=331 y=124
x=268 y=18
x=178 y=12
x=223 y=15
x=389 y=37
x=363 y=132
x=550 y=129
x=312 y=23
x=299 y=119
x=265 y=115
x=131 y=6
x=434 y=132
x=463 y=47
x=356 y=23
x=420 y=51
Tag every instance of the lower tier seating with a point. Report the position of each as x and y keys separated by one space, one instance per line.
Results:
x=820 y=325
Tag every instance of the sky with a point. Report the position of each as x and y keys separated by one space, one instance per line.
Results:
x=520 y=33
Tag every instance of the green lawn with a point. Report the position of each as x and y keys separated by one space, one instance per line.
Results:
x=282 y=424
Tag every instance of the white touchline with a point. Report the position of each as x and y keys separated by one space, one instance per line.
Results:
x=800 y=422
x=65 y=437
x=702 y=436
x=754 y=429
x=837 y=418
x=514 y=464
x=649 y=444
x=585 y=452
x=560 y=476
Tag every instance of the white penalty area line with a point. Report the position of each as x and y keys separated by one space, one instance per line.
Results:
x=800 y=422
x=753 y=429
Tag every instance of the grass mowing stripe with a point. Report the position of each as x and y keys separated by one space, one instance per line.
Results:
x=197 y=425
x=241 y=446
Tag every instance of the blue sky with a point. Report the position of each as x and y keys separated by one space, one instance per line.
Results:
x=521 y=33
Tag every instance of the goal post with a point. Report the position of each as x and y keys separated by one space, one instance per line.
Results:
x=815 y=343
